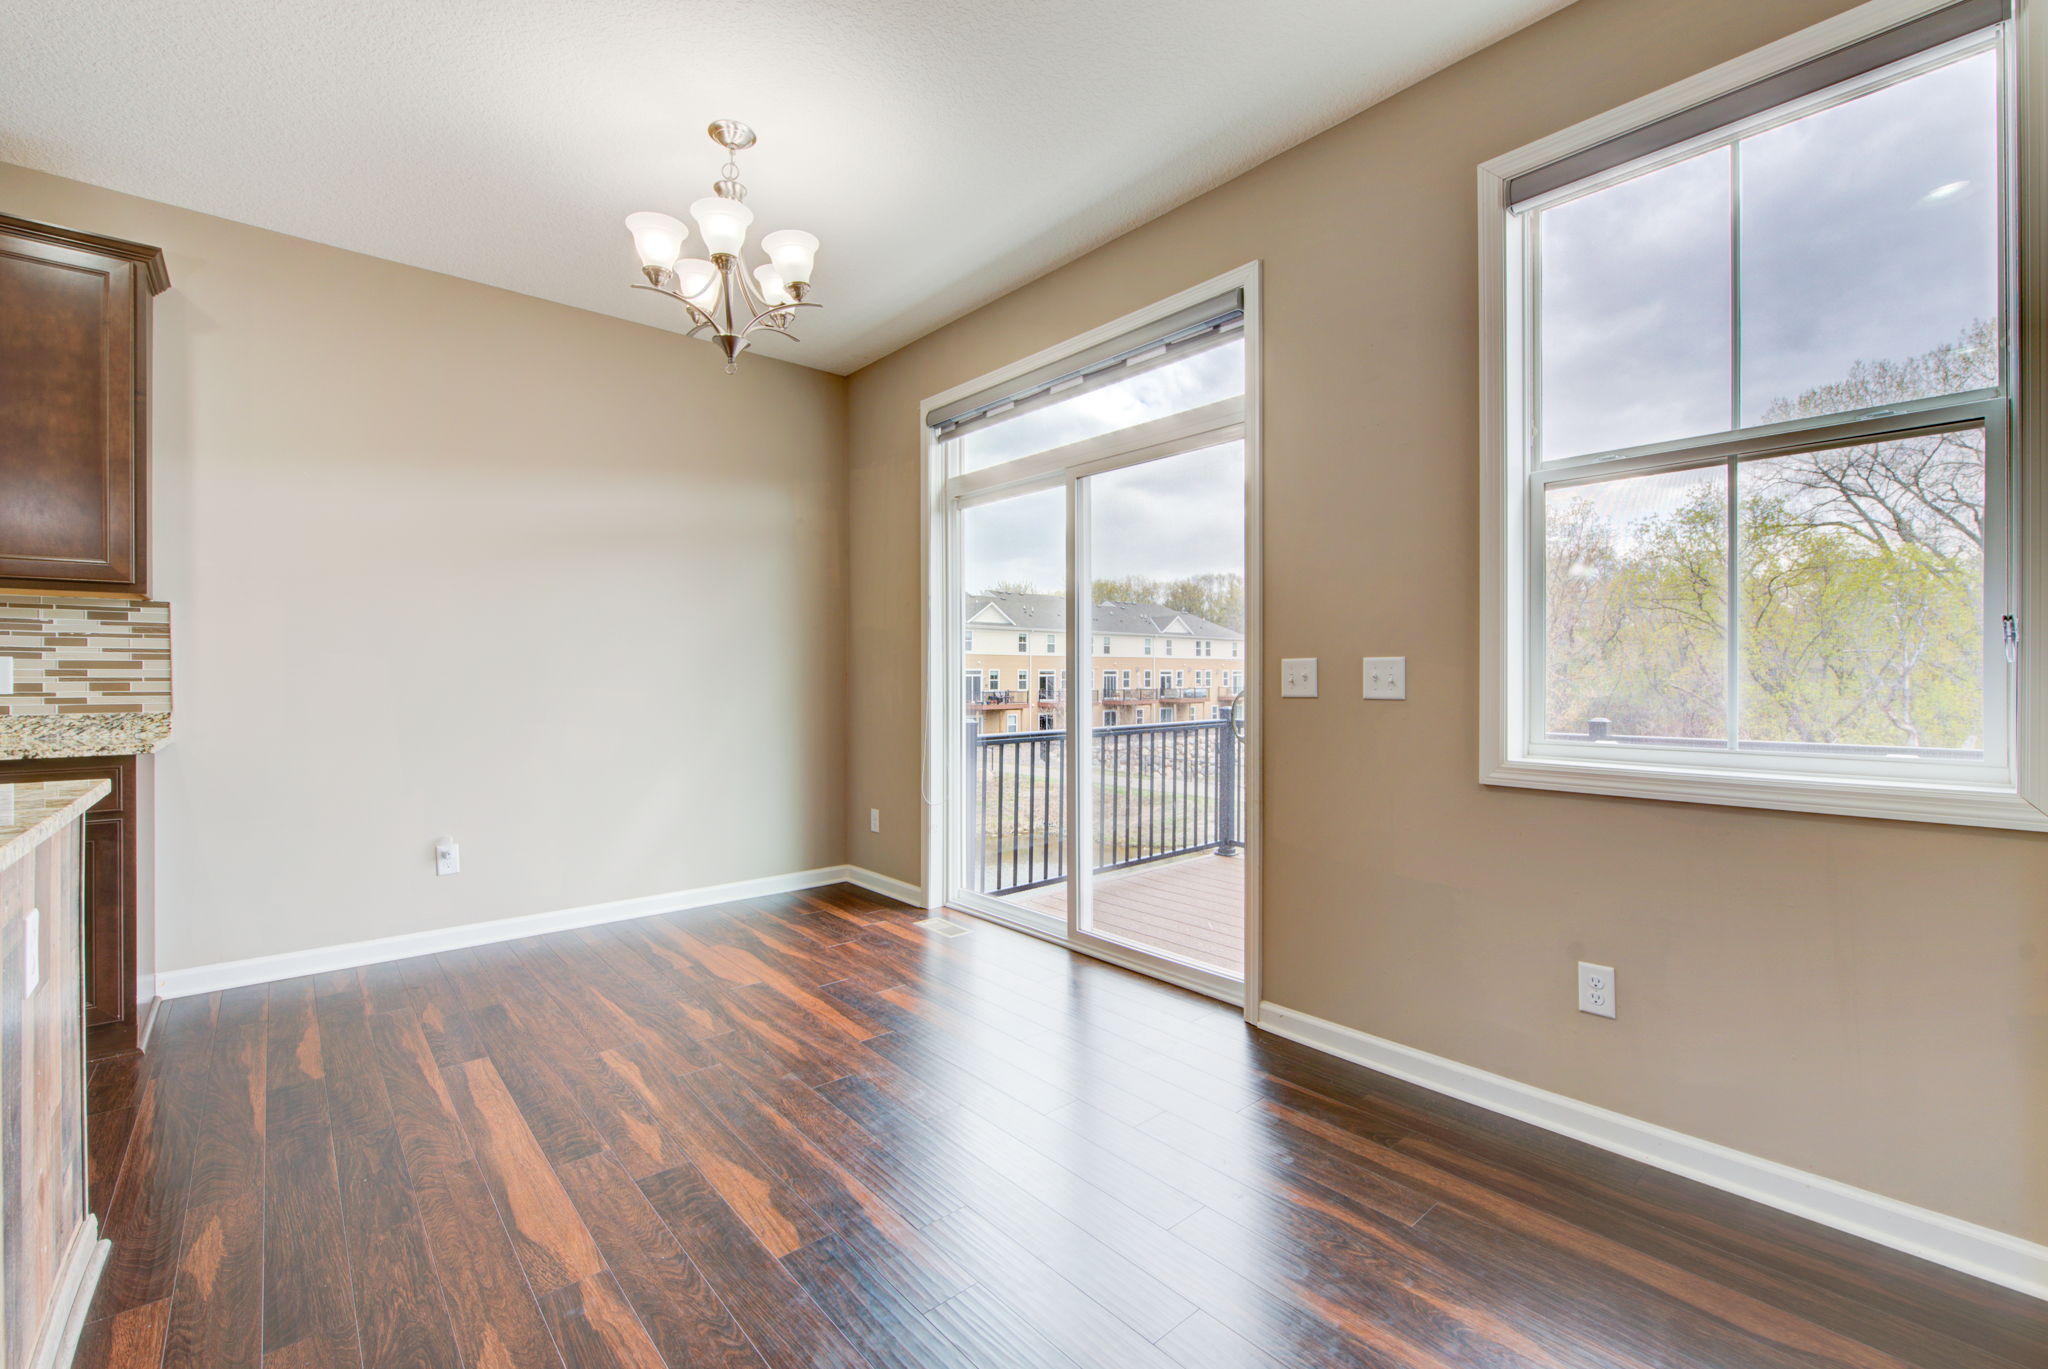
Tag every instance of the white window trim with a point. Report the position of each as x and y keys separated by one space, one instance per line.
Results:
x=1505 y=755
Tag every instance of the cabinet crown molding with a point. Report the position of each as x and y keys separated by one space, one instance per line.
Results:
x=150 y=259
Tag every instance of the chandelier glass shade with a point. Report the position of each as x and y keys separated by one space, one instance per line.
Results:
x=725 y=301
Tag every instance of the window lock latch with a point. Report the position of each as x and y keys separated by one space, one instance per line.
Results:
x=2010 y=627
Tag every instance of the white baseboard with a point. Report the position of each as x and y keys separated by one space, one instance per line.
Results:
x=76 y=1279
x=885 y=886
x=264 y=969
x=1976 y=1250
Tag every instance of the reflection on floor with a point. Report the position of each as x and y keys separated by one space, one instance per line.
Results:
x=1191 y=908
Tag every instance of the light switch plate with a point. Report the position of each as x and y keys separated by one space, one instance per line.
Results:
x=1298 y=677
x=1386 y=677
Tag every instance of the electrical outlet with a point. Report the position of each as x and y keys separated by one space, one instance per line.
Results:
x=1298 y=677
x=447 y=857
x=1386 y=677
x=874 y=819
x=1596 y=989
x=31 y=951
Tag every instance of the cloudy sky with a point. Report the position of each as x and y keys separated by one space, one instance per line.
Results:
x=1867 y=230
x=1180 y=516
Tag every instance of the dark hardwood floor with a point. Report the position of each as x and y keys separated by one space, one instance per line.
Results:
x=803 y=1131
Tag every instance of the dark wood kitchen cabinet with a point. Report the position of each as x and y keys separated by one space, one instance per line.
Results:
x=112 y=850
x=74 y=408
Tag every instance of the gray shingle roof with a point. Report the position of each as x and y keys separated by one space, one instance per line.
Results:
x=1048 y=613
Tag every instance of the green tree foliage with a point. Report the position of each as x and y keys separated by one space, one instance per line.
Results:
x=1219 y=597
x=1859 y=584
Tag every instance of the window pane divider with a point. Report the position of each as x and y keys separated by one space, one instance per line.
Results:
x=1946 y=417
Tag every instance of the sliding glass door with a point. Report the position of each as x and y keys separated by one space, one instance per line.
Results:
x=1164 y=542
x=1013 y=563
x=1098 y=646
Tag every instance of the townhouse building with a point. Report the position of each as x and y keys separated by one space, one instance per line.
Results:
x=1147 y=663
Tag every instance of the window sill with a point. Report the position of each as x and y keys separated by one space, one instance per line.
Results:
x=1956 y=805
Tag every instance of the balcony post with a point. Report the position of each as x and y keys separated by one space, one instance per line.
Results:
x=1227 y=843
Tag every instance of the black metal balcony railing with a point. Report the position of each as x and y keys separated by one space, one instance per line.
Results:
x=1164 y=789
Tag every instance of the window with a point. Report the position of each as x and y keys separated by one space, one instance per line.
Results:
x=1141 y=717
x=1023 y=644
x=1233 y=648
x=1147 y=680
x=1216 y=713
x=1752 y=472
x=1109 y=682
x=1045 y=688
x=1009 y=722
x=1169 y=646
x=1127 y=679
x=1046 y=722
x=1052 y=646
x=1166 y=713
x=1109 y=717
x=1023 y=679
x=974 y=686
x=1148 y=646
x=1105 y=646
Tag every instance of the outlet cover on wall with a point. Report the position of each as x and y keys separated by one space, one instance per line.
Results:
x=447 y=857
x=874 y=819
x=1596 y=989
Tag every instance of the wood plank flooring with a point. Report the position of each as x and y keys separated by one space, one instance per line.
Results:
x=803 y=1131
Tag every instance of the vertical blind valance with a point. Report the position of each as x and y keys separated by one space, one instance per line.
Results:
x=1844 y=63
x=1180 y=334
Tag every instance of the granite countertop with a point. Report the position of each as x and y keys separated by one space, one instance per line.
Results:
x=42 y=736
x=30 y=813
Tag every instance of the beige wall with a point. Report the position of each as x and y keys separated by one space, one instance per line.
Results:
x=448 y=560
x=1861 y=999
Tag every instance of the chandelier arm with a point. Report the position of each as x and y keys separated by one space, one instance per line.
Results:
x=703 y=320
x=766 y=319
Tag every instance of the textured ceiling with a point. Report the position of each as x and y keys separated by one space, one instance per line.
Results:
x=944 y=152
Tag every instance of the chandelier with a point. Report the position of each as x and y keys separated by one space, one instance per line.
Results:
x=725 y=303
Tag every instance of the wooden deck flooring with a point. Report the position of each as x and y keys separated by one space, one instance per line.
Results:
x=1191 y=909
x=804 y=1131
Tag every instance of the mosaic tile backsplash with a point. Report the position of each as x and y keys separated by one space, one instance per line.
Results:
x=85 y=656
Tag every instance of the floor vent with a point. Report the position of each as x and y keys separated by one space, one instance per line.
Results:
x=942 y=926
